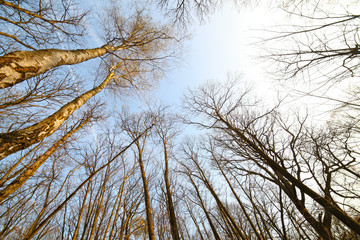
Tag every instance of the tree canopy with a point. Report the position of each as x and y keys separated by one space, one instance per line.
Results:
x=78 y=161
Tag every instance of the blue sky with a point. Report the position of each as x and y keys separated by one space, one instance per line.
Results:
x=219 y=47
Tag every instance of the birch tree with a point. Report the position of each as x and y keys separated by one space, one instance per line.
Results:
x=144 y=44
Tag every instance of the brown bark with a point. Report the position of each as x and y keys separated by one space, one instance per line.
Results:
x=170 y=204
x=98 y=208
x=327 y=216
x=283 y=173
x=239 y=201
x=54 y=212
x=149 y=218
x=18 y=140
x=212 y=226
x=117 y=205
x=234 y=225
x=30 y=170
x=77 y=228
x=194 y=220
x=18 y=66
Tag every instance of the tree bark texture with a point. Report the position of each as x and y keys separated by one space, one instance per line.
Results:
x=30 y=170
x=21 y=139
x=149 y=220
x=18 y=66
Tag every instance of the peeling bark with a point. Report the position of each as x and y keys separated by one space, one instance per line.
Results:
x=24 y=176
x=18 y=140
x=18 y=66
x=31 y=234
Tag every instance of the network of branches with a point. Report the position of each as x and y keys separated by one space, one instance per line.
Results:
x=77 y=162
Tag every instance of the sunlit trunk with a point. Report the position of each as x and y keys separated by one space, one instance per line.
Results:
x=170 y=204
x=81 y=213
x=57 y=209
x=149 y=218
x=30 y=170
x=18 y=66
x=99 y=207
x=17 y=140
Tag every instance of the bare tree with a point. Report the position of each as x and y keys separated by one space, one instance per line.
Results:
x=143 y=53
x=254 y=138
x=322 y=43
x=133 y=124
x=184 y=12
x=166 y=131
x=33 y=25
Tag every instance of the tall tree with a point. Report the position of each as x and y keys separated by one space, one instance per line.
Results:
x=251 y=136
x=166 y=131
x=133 y=125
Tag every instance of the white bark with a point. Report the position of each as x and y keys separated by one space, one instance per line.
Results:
x=30 y=170
x=17 y=140
x=16 y=67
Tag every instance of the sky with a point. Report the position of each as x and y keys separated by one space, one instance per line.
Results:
x=219 y=47
x=222 y=46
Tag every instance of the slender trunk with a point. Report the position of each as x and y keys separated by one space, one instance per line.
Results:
x=24 y=138
x=51 y=215
x=42 y=211
x=282 y=217
x=30 y=170
x=18 y=66
x=81 y=213
x=222 y=208
x=150 y=223
x=98 y=209
x=170 y=204
x=7 y=176
x=194 y=220
x=212 y=226
x=117 y=205
x=256 y=211
x=239 y=201
x=327 y=216
x=283 y=173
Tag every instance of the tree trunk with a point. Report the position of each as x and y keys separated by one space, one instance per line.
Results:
x=202 y=205
x=150 y=223
x=24 y=138
x=18 y=66
x=77 y=228
x=170 y=204
x=283 y=173
x=24 y=176
x=55 y=211
x=239 y=201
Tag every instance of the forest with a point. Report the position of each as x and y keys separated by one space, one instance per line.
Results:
x=88 y=153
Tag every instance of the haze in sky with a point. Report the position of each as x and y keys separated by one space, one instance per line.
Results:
x=222 y=46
